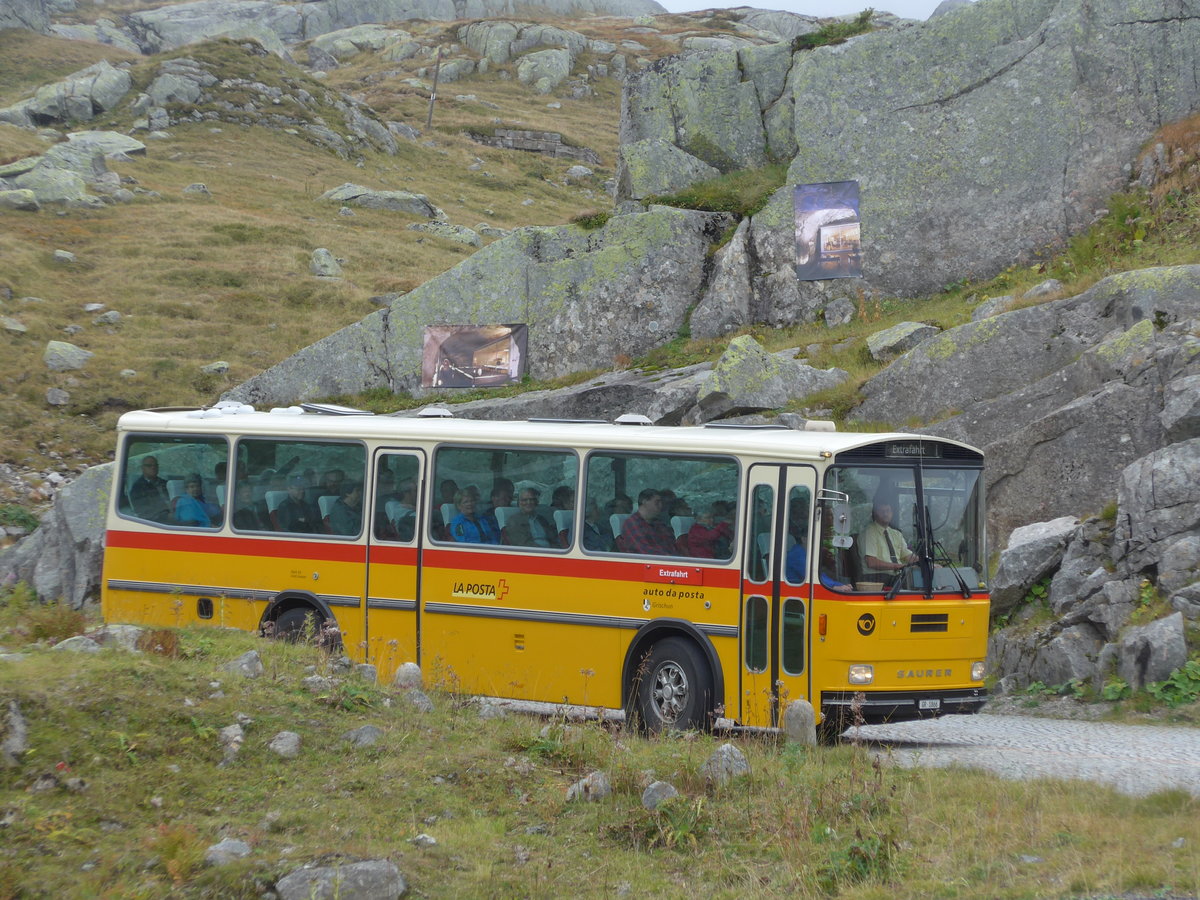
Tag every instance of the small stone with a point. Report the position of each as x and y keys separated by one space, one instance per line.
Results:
x=489 y=710
x=92 y=307
x=419 y=700
x=285 y=744
x=112 y=317
x=364 y=736
x=656 y=793
x=78 y=644
x=128 y=373
x=590 y=788
x=324 y=265
x=57 y=397
x=248 y=664
x=197 y=188
x=66 y=257
x=423 y=840
x=726 y=763
x=408 y=676
x=220 y=367
x=226 y=851
x=11 y=324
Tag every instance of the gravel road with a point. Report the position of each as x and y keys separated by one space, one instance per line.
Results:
x=1134 y=759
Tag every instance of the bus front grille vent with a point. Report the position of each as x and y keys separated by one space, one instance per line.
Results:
x=922 y=622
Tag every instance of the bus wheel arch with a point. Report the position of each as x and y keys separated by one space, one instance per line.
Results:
x=667 y=656
x=286 y=615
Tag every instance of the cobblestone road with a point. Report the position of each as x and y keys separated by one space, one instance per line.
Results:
x=1135 y=759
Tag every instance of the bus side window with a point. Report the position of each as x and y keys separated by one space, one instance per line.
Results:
x=171 y=480
x=661 y=504
x=502 y=496
x=281 y=483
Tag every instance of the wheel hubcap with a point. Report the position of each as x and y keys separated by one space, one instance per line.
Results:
x=670 y=691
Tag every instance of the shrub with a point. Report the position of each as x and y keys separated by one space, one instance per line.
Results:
x=834 y=32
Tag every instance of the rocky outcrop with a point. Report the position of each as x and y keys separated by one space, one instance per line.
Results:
x=1105 y=572
x=925 y=118
x=170 y=27
x=62 y=558
x=396 y=201
x=77 y=98
x=187 y=89
x=67 y=171
x=31 y=15
x=589 y=297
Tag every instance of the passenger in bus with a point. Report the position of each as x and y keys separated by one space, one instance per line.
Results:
x=331 y=484
x=622 y=504
x=466 y=527
x=597 y=535
x=385 y=493
x=245 y=516
x=646 y=531
x=883 y=547
x=502 y=495
x=192 y=509
x=563 y=497
x=148 y=494
x=345 y=515
x=527 y=527
x=402 y=513
x=297 y=513
x=709 y=537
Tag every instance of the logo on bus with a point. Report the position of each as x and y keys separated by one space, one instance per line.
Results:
x=476 y=590
x=866 y=624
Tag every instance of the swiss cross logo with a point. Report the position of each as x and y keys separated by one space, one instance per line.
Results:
x=503 y=589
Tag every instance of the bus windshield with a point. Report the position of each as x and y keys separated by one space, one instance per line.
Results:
x=912 y=528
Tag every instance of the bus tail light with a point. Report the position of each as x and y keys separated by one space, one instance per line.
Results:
x=978 y=670
x=861 y=673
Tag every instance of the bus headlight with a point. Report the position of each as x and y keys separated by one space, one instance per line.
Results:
x=978 y=670
x=861 y=673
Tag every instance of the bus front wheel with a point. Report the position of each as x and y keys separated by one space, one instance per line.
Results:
x=674 y=688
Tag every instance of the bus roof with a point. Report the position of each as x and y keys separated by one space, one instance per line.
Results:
x=778 y=442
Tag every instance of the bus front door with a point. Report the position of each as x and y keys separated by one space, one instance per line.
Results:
x=776 y=591
x=393 y=561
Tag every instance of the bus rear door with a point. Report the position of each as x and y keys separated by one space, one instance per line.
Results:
x=393 y=561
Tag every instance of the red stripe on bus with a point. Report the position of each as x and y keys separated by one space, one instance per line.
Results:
x=177 y=542
x=611 y=570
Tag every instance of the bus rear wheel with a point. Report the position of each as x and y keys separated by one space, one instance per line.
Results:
x=674 y=688
x=300 y=623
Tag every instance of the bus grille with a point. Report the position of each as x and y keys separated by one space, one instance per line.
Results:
x=930 y=622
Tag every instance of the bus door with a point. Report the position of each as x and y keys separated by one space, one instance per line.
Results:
x=776 y=590
x=393 y=560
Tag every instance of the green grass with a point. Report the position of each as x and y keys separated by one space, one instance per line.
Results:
x=835 y=32
x=742 y=193
x=141 y=732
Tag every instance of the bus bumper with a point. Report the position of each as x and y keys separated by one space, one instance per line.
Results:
x=899 y=706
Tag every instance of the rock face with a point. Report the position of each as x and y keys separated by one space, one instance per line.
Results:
x=946 y=189
x=169 y=27
x=77 y=98
x=32 y=15
x=62 y=558
x=1103 y=572
x=1060 y=396
x=588 y=297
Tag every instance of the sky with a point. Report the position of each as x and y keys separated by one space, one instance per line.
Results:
x=908 y=9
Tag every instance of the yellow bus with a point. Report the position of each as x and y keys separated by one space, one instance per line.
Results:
x=663 y=571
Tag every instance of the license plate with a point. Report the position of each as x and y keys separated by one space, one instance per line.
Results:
x=929 y=704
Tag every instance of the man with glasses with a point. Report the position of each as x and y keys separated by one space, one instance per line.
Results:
x=148 y=495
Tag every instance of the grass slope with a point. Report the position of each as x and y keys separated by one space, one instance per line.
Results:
x=141 y=731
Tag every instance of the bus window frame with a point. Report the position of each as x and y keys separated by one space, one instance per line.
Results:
x=434 y=481
x=299 y=535
x=734 y=556
x=167 y=438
